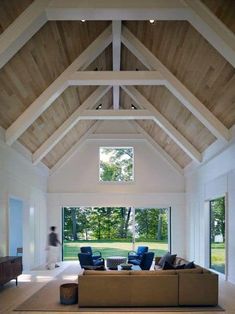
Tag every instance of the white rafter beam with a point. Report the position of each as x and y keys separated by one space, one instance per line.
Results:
x=74 y=148
x=191 y=102
x=179 y=139
x=165 y=156
x=22 y=29
x=57 y=87
x=116 y=10
x=68 y=124
x=116 y=115
x=213 y=29
x=116 y=78
x=116 y=28
x=116 y=97
x=116 y=136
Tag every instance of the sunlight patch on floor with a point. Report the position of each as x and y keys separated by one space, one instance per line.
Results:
x=70 y=277
x=44 y=278
x=25 y=278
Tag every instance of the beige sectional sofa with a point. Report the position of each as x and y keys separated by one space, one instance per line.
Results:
x=183 y=287
x=196 y=286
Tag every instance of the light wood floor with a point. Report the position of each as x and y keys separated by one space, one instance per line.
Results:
x=11 y=296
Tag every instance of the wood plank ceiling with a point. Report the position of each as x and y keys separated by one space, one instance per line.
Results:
x=176 y=43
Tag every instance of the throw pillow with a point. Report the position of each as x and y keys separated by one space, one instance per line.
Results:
x=180 y=266
x=167 y=257
x=190 y=265
x=167 y=265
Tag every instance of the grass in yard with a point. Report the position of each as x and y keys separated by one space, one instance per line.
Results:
x=218 y=257
x=111 y=248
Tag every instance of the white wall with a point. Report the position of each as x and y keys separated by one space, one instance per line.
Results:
x=213 y=179
x=20 y=180
x=81 y=173
x=156 y=184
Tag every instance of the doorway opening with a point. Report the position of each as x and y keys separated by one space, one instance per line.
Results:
x=15 y=227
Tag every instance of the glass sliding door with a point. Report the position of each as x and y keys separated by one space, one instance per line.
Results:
x=217 y=235
x=152 y=229
x=106 y=229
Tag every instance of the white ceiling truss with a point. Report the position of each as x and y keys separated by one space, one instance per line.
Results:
x=57 y=87
x=69 y=123
x=40 y=11
x=74 y=148
x=179 y=139
x=175 y=86
x=160 y=151
x=116 y=28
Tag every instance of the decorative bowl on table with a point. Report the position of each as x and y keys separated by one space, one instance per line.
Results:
x=126 y=266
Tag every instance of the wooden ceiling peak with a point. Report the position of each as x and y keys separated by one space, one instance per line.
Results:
x=191 y=86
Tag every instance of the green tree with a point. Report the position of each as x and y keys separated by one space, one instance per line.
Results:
x=218 y=218
x=152 y=223
x=117 y=164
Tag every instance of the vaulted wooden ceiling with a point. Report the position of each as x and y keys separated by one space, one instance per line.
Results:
x=192 y=70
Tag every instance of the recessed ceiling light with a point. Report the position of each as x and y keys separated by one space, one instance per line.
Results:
x=83 y=21
x=151 y=21
x=133 y=107
x=99 y=107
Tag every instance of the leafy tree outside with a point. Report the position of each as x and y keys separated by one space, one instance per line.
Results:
x=217 y=234
x=103 y=225
x=116 y=164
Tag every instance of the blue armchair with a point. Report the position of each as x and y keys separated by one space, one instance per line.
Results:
x=86 y=259
x=145 y=262
x=87 y=249
x=133 y=255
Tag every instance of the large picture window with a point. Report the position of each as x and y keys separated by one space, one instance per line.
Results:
x=116 y=164
x=114 y=231
x=217 y=235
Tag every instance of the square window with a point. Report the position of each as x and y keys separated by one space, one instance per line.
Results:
x=116 y=164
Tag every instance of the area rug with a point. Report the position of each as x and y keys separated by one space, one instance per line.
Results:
x=47 y=299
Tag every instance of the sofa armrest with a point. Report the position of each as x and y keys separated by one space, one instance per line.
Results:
x=198 y=289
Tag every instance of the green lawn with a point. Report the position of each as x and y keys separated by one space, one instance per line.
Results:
x=111 y=248
x=218 y=257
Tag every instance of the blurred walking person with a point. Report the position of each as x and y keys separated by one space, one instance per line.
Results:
x=53 y=250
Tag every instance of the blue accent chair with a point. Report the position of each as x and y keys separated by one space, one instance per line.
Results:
x=86 y=259
x=87 y=249
x=133 y=255
x=145 y=262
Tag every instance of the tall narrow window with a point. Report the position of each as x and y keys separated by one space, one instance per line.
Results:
x=116 y=164
x=217 y=235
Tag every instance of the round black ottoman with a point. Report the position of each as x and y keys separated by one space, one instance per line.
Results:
x=69 y=293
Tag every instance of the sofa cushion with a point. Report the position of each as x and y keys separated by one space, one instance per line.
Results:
x=190 y=265
x=167 y=265
x=167 y=257
x=180 y=266
x=180 y=261
x=189 y=271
